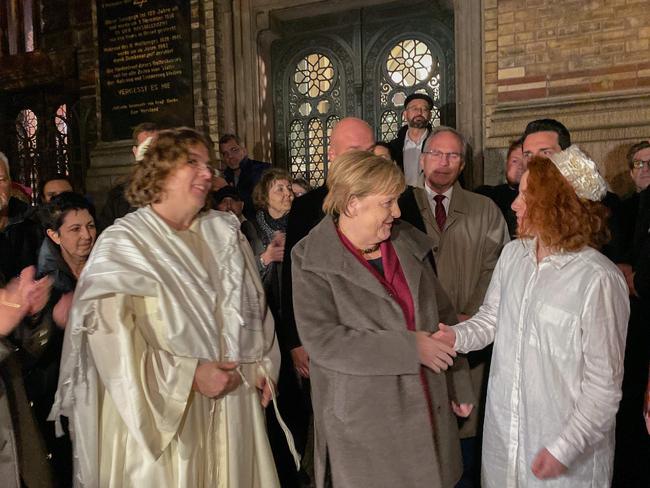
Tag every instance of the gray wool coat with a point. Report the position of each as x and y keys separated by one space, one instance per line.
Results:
x=372 y=425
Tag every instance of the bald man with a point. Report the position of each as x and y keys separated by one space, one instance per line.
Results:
x=307 y=211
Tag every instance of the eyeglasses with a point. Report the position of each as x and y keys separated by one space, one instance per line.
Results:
x=214 y=172
x=640 y=163
x=452 y=157
x=422 y=110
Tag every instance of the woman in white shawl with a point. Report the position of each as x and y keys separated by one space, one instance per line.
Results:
x=170 y=351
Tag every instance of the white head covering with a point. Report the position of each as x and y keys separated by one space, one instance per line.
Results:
x=581 y=172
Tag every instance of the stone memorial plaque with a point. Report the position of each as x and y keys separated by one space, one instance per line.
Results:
x=145 y=65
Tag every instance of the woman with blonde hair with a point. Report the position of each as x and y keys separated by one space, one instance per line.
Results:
x=556 y=310
x=170 y=353
x=366 y=302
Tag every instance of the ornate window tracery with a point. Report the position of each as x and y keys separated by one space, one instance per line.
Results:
x=61 y=140
x=410 y=65
x=314 y=107
x=26 y=143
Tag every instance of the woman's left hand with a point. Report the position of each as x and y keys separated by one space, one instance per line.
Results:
x=265 y=390
x=62 y=310
x=462 y=410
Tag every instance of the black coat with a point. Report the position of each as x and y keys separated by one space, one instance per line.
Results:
x=116 y=207
x=397 y=145
x=306 y=212
x=503 y=195
x=19 y=240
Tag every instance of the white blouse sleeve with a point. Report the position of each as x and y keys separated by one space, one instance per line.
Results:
x=604 y=327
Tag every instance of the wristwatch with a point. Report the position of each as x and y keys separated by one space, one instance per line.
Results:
x=264 y=265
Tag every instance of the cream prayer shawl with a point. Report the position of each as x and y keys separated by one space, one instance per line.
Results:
x=141 y=255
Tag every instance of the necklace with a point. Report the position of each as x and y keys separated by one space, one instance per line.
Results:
x=369 y=250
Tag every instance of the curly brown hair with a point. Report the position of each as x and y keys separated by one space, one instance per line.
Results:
x=168 y=150
x=556 y=215
x=261 y=190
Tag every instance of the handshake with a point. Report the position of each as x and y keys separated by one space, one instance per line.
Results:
x=436 y=351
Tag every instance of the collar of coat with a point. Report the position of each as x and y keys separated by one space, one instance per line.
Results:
x=324 y=253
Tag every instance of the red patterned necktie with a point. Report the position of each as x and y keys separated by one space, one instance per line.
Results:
x=441 y=215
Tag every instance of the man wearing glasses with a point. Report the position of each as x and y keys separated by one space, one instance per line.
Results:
x=405 y=149
x=469 y=232
x=241 y=172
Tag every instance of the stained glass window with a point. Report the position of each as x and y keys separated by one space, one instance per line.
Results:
x=314 y=108
x=410 y=66
x=388 y=125
x=314 y=75
x=62 y=151
x=26 y=130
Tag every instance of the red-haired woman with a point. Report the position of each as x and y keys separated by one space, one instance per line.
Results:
x=557 y=311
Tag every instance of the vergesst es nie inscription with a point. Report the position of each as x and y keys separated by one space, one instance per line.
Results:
x=145 y=64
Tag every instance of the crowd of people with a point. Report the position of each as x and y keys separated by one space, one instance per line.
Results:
x=388 y=328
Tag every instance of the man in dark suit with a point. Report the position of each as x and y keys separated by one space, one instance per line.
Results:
x=503 y=195
x=348 y=134
x=116 y=204
x=241 y=172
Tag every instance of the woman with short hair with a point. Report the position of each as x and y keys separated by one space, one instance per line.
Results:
x=169 y=352
x=366 y=301
x=557 y=311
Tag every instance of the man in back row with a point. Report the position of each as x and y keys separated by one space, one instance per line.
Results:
x=116 y=205
x=241 y=172
x=307 y=211
x=405 y=149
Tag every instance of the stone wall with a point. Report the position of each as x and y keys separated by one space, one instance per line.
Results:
x=585 y=63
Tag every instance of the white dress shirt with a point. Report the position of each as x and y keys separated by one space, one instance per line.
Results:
x=411 y=154
x=559 y=332
x=432 y=203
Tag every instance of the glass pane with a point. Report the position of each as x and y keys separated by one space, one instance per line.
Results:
x=314 y=75
x=388 y=126
x=297 y=159
x=398 y=99
x=410 y=62
x=323 y=106
x=316 y=153
x=305 y=109
x=61 y=124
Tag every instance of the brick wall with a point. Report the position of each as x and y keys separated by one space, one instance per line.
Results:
x=567 y=59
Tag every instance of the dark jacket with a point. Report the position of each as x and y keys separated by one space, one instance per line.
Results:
x=503 y=195
x=19 y=240
x=116 y=207
x=250 y=174
x=397 y=145
x=23 y=461
x=306 y=212
x=40 y=341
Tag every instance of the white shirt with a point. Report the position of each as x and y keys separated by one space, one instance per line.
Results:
x=559 y=338
x=411 y=154
x=445 y=202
